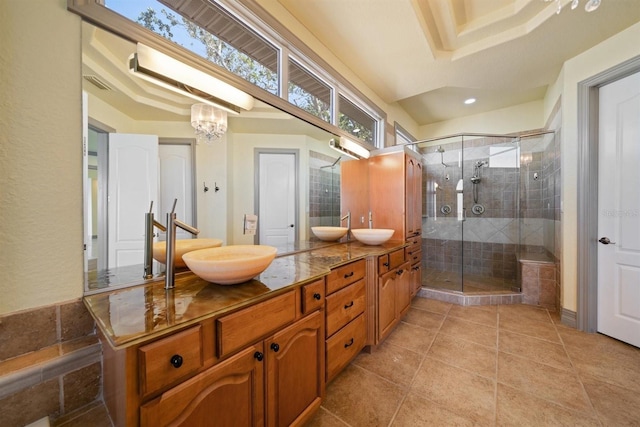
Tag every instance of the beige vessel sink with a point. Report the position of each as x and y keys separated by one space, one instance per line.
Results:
x=372 y=236
x=182 y=247
x=228 y=265
x=329 y=234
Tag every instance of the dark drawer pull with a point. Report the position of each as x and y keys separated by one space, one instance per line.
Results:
x=349 y=344
x=317 y=296
x=259 y=356
x=346 y=276
x=348 y=305
x=176 y=360
x=399 y=272
x=386 y=264
x=275 y=347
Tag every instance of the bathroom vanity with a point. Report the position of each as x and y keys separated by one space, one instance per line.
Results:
x=256 y=353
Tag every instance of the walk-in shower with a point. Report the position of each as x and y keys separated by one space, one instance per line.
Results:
x=482 y=208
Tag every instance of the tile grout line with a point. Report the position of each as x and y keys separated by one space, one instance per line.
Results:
x=415 y=375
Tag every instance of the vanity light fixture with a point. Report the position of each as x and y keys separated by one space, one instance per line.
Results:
x=169 y=73
x=469 y=101
x=349 y=148
x=209 y=122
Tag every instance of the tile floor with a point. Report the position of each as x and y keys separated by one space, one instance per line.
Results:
x=449 y=365
x=506 y=365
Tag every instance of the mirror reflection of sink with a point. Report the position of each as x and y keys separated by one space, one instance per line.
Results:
x=228 y=265
x=329 y=234
x=182 y=247
x=372 y=236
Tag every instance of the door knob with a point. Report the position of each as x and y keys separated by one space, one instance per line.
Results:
x=291 y=225
x=606 y=241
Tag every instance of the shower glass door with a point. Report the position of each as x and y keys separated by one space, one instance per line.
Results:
x=491 y=231
x=445 y=215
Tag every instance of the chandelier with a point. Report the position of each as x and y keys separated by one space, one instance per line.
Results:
x=209 y=122
x=590 y=6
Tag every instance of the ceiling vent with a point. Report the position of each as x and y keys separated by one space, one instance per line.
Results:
x=97 y=82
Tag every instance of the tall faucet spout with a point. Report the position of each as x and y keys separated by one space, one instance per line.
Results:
x=172 y=224
x=348 y=218
x=149 y=224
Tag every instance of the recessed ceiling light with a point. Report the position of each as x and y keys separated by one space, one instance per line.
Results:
x=469 y=101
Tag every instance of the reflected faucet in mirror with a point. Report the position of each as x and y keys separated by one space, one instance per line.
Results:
x=172 y=223
x=149 y=223
x=348 y=218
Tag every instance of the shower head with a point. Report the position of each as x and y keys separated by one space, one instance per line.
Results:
x=440 y=149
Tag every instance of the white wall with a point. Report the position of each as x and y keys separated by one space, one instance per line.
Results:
x=617 y=49
x=40 y=154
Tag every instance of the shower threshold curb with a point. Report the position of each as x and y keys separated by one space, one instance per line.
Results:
x=459 y=298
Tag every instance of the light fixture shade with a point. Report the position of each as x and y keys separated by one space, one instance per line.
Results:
x=165 y=71
x=349 y=148
x=210 y=123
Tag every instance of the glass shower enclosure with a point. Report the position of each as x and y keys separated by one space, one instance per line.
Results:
x=471 y=217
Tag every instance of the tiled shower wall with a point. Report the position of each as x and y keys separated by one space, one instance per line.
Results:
x=324 y=190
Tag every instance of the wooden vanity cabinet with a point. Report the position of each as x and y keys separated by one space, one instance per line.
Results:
x=346 y=326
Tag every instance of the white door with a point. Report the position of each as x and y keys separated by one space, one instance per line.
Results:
x=176 y=182
x=133 y=184
x=277 y=199
x=619 y=210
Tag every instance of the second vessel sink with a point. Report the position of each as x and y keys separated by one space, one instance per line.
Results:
x=228 y=265
x=329 y=234
x=372 y=236
x=182 y=247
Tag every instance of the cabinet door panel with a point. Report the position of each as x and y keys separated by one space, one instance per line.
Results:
x=386 y=303
x=295 y=371
x=228 y=394
x=403 y=289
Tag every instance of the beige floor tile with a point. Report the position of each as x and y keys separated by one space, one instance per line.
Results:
x=424 y=319
x=525 y=311
x=391 y=362
x=615 y=405
x=362 y=398
x=517 y=408
x=417 y=411
x=546 y=382
x=432 y=305
x=611 y=363
x=533 y=348
x=411 y=337
x=456 y=390
x=324 y=418
x=474 y=332
x=535 y=328
x=465 y=354
x=485 y=315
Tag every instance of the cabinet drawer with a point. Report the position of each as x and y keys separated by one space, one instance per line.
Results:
x=413 y=241
x=413 y=256
x=345 y=275
x=344 y=306
x=244 y=327
x=166 y=361
x=312 y=296
x=345 y=345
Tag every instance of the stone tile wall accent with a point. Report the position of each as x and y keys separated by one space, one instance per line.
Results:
x=324 y=191
x=50 y=363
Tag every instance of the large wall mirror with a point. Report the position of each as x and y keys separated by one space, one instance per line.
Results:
x=216 y=184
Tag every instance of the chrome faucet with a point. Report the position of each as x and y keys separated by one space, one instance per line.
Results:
x=348 y=218
x=370 y=220
x=172 y=223
x=149 y=223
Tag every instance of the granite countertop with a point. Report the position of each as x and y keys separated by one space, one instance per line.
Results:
x=132 y=315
